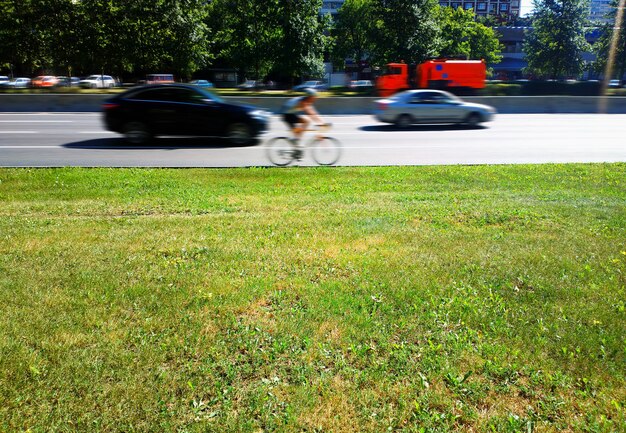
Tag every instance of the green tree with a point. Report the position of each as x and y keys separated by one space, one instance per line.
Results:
x=248 y=34
x=37 y=35
x=555 y=43
x=404 y=30
x=102 y=36
x=303 y=39
x=461 y=35
x=352 y=31
x=603 y=44
x=186 y=37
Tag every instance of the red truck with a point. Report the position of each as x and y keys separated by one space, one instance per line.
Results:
x=434 y=74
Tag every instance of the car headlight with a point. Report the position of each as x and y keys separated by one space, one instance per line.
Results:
x=260 y=114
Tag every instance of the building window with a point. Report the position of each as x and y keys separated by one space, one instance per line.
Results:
x=514 y=4
x=469 y=5
x=504 y=7
x=482 y=6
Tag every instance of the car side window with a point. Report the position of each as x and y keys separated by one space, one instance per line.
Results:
x=153 y=95
x=170 y=95
x=420 y=98
x=188 y=96
x=434 y=98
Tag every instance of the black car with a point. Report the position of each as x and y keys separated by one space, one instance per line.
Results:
x=179 y=109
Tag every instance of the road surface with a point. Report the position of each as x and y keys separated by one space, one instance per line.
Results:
x=79 y=139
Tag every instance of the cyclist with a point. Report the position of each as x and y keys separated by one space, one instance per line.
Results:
x=296 y=110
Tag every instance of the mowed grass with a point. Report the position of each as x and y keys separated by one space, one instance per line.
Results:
x=409 y=299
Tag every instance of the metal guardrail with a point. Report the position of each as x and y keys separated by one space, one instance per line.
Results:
x=336 y=105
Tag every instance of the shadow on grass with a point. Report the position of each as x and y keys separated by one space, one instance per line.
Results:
x=162 y=143
x=426 y=128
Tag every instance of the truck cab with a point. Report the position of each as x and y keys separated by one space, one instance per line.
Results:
x=395 y=78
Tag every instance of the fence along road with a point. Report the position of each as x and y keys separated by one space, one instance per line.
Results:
x=337 y=105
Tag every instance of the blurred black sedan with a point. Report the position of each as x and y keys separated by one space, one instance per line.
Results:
x=178 y=109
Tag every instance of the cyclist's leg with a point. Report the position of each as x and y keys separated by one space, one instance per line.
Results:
x=293 y=121
x=301 y=126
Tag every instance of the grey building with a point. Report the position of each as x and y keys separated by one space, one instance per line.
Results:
x=598 y=10
x=510 y=8
x=331 y=7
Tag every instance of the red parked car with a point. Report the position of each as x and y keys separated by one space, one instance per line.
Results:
x=44 y=81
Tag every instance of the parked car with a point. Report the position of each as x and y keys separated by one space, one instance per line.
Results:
x=361 y=85
x=181 y=109
x=3 y=79
x=17 y=83
x=159 y=78
x=615 y=84
x=44 y=81
x=317 y=85
x=98 y=81
x=430 y=106
x=68 y=81
x=250 y=85
x=201 y=83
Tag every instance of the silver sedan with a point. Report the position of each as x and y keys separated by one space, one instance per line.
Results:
x=430 y=106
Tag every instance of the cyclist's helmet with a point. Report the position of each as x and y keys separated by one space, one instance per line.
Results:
x=310 y=92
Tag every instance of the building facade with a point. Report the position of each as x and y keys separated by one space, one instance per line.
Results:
x=331 y=7
x=598 y=9
x=509 y=8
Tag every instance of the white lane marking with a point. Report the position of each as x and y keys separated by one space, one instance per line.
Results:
x=35 y=121
x=51 y=114
x=18 y=132
x=29 y=147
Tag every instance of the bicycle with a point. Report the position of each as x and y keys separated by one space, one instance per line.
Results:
x=325 y=150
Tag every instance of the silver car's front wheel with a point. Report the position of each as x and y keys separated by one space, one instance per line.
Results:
x=473 y=120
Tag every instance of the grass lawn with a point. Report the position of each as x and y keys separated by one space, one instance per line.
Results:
x=486 y=298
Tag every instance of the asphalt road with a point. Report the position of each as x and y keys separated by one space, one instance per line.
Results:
x=79 y=139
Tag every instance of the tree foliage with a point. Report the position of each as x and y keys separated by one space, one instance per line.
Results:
x=555 y=44
x=404 y=30
x=386 y=31
x=284 y=39
x=603 y=44
x=352 y=31
x=303 y=39
x=246 y=35
x=461 y=35
x=89 y=36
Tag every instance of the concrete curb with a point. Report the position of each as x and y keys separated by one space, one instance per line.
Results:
x=339 y=105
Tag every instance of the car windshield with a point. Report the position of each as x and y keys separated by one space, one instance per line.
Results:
x=92 y=77
x=209 y=94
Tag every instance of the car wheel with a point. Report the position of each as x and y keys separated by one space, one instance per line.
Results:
x=93 y=86
x=404 y=121
x=137 y=133
x=239 y=133
x=473 y=119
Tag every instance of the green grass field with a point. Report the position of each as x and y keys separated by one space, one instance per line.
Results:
x=416 y=299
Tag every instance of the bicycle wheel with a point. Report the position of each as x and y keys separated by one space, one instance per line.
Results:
x=325 y=150
x=280 y=151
